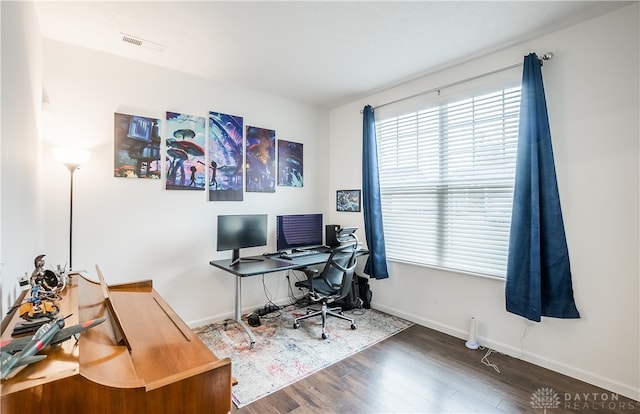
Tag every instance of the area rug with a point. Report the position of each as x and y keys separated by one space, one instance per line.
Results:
x=283 y=355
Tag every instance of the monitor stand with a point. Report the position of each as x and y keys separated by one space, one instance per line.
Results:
x=236 y=259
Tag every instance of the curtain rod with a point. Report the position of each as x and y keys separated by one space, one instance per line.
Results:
x=546 y=56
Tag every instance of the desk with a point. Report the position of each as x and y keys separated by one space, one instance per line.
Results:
x=260 y=265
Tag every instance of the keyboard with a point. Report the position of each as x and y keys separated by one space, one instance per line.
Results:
x=302 y=253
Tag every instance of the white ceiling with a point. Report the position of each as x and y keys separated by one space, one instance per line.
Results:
x=323 y=53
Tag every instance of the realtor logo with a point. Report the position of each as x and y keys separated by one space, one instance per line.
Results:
x=545 y=398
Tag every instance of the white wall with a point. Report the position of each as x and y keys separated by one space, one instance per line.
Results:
x=134 y=229
x=21 y=224
x=592 y=95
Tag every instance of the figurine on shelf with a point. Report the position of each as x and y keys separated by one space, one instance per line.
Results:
x=39 y=305
x=38 y=273
x=45 y=288
x=64 y=276
x=47 y=279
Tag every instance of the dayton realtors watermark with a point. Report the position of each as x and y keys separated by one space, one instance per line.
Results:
x=548 y=398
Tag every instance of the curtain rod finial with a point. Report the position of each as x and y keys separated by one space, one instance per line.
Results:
x=547 y=56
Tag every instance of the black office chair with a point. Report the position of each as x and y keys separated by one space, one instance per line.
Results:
x=332 y=284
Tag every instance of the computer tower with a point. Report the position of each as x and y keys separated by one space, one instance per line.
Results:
x=331 y=235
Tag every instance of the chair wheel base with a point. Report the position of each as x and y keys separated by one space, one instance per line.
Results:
x=296 y=325
x=325 y=335
x=354 y=326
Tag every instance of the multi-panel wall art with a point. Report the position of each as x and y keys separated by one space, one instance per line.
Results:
x=261 y=160
x=290 y=163
x=225 y=157
x=186 y=167
x=136 y=146
x=232 y=160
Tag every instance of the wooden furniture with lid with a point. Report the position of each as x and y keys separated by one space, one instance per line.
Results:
x=142 y=359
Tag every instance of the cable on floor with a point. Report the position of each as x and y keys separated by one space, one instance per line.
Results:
x=485 y=360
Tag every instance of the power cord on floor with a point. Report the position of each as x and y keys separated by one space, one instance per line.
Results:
x=485 y=360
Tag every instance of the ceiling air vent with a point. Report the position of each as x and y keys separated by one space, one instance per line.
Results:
x=136 y=41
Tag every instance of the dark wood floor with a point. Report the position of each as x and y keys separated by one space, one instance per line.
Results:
x=423 y=371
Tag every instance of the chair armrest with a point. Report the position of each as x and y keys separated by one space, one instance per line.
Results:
x=307 y=283
x=311 y=272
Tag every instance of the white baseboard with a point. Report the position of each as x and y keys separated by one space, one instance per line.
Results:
x=539 y=360
x=209 y=320
x=230 y=315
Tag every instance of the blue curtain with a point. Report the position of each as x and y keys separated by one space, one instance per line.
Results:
x=538 y=271
x=376 y=265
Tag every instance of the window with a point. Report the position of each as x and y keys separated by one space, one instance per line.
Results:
x=446 y=181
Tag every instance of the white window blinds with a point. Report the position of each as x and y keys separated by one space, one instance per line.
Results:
x=446 y=181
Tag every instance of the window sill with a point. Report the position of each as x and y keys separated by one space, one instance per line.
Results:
x=445 y=269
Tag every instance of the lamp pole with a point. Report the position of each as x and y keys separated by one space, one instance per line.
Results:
x=72 y=168
x=72 y=159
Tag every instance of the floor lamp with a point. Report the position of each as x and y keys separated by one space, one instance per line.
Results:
x=72 y=158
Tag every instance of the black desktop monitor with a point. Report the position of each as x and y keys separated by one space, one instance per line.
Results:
x=298 y=231
x=237 y=232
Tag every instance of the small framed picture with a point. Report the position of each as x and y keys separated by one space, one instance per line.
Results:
x=348 y=200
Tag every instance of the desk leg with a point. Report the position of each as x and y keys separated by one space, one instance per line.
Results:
x=252 y=338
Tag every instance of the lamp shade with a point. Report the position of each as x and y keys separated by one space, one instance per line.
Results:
x=71 y=157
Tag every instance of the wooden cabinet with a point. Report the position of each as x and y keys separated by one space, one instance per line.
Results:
x=142 y=359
